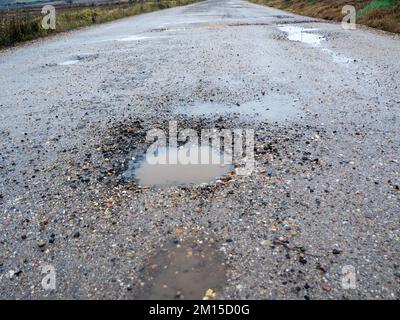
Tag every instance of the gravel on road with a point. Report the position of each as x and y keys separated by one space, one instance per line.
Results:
x=323 y=198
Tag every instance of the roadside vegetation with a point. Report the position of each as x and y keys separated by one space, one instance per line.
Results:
x=380 y=14
x=19 y=25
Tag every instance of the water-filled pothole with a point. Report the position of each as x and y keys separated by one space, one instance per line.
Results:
x=337 y=57
x=132 y=38
x=191 y=270
x=300 y=34
x=170 y=166
x=68 y=62
x=78 y=58
x=272 y=109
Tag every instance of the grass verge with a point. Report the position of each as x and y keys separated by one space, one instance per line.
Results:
x=22 y=25
x=380 y=14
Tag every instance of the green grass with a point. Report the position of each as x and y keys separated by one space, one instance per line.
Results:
x=19 y=28
x=376 y=5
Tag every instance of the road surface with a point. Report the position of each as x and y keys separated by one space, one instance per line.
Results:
x=318 y=218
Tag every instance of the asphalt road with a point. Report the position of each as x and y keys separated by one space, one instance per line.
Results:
x=75 y=108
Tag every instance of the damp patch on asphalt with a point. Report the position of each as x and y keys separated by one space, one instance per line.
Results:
x=274 y=108
x=192 y=269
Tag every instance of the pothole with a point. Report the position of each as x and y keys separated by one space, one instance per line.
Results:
x=300 y=34
x=87 y=56
x=191 y=269
x=280 y=16
x=185 y=165
x=337 y=57
x=306 y=35
x=158 y=30
x=245 y=24
x=78 y=58
x=166 y=29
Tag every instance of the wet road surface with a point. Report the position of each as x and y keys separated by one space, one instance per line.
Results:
x=323 y=197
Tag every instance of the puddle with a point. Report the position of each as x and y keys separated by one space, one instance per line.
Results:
x=189 y=165
x=271 y=109
x=304 y=35
x=67 y=63
x=338 y=58
x=78 y=58
x=132 y=38
x=184 y=270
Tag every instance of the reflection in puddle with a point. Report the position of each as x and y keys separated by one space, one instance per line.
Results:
x=272 y=109
x=188 y=270
x=189 y=165
x=302 y=35
x=69 y=62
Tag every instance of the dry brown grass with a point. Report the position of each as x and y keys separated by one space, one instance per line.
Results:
x=20 y=25
x=388 y=20
x=385 y=19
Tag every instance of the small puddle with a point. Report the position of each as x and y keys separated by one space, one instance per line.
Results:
x=301 y=34
x=305 y=35
x=271 y=109
x=132 y=38
x=338 y=58
x=68 y=62
x=191 y=270
x=183 y=166
x=78 y=58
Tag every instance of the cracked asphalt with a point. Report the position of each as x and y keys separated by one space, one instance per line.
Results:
x=324 y=194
